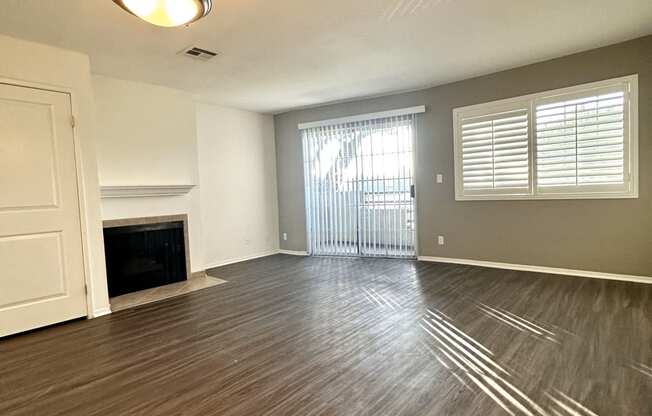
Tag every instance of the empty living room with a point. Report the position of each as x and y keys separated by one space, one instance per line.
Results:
x=364 y=208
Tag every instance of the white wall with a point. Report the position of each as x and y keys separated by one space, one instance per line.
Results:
x=237 y=170
x=151 y=135
x=146 y=135
x=65 y=70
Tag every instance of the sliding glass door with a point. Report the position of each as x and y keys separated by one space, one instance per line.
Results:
x=360 y=188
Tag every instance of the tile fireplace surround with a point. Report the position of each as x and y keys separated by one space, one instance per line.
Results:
x=195 y=281
x=158 y=220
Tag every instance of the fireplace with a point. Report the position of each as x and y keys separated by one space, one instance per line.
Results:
x=143 y=253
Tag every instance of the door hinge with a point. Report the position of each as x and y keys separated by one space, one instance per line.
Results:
x=73 y=121
x=85 y=289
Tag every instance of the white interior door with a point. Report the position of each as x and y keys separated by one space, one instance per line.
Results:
x=41 y=262
x=360 y=188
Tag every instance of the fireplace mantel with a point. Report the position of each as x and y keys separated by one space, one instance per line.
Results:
x=135 y=191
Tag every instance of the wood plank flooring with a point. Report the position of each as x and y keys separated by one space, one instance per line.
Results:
x=333 y=336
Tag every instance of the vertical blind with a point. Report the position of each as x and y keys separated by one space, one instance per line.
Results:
x=358 y=180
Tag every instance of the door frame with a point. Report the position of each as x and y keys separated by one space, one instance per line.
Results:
x=415 y=178
x=85 y=231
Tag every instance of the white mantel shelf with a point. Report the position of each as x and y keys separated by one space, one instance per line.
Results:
x=137 y=191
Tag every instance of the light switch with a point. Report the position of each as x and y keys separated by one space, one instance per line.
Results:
x=440 y=178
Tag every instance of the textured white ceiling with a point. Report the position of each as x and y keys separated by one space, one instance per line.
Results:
x=278 y=55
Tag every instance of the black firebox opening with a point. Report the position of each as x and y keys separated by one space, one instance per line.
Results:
x=144 y=256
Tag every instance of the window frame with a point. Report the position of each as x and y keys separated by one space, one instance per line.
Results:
x=628 y=190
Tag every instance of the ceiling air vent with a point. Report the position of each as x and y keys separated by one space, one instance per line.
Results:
x=198 y=53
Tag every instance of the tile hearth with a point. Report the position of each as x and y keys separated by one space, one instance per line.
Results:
x=143 y=297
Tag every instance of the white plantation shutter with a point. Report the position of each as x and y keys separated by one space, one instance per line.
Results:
x=581 y=141
x=495 y=152
x=578 y=142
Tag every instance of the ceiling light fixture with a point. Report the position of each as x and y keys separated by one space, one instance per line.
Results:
x=167 y=13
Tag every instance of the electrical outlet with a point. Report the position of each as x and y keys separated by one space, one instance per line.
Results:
x=440 y=178
x=285 y=236
x=440 y=240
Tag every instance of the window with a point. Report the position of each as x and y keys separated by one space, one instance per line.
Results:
x=495 y=153
x=578 y=142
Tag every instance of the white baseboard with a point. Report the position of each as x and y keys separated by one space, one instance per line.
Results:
x=540 y=269
x=100 y=312
x=293 y=253
x=239 y=259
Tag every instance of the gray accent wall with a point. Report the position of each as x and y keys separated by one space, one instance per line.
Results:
x=605 y=235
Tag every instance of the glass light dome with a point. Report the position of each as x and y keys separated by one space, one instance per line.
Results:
x=167 y=13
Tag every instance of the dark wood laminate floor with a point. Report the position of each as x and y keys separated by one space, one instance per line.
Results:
x=318 y=336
